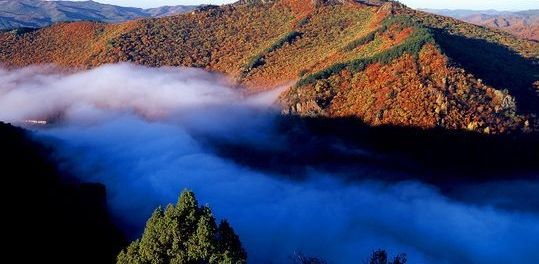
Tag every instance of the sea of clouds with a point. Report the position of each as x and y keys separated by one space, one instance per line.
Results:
x=143 y=133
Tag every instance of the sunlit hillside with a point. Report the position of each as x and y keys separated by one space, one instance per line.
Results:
x=376 y=60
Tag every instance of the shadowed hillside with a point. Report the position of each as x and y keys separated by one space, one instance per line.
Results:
x=375 y=60
x=58 y=219
x=442 y=157
x=496 y=65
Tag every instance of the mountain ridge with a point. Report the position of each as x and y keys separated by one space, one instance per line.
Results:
x=524 y=24
x=349 y=58
x=40 y=13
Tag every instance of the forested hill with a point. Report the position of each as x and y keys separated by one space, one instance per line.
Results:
x=41 y=13
x=377 y=61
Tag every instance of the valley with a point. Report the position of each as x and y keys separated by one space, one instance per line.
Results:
x=311 y=132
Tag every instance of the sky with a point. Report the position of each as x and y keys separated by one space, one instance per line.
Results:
x=438 y=4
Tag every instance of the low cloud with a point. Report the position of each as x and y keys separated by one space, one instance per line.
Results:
x=143 y=133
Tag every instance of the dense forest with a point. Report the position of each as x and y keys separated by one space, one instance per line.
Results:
x=379 y=61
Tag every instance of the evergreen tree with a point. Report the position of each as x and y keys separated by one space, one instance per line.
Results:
x=380 y=257
x=185 y=234
x=229 y=243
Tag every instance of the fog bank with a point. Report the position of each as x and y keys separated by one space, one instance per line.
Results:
x=143 y=133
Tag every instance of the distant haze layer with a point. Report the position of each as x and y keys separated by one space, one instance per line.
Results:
x=524 y=24
x=474 y=5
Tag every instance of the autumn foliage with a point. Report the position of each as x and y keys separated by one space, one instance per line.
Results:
x=378 y=61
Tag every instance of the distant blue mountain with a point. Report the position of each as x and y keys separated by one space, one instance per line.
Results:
x=40 y=13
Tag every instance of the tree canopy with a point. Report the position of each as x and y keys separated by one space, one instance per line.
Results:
x=185 y=233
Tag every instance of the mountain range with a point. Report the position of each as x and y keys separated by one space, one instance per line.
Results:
x=40 y=13
x=377 y=61
x=524 y=24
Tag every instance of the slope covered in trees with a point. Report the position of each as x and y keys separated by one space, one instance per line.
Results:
x=375 y=60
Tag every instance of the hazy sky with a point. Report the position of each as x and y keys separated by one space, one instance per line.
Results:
x=450 y=4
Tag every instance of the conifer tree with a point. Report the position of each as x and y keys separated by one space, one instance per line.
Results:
x=185 y=234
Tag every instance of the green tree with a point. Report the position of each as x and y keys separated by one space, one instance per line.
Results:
x=185 y=234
